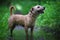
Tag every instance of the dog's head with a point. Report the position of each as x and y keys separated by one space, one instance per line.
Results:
x=38 y=9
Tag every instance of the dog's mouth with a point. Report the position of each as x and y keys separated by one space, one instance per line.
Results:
x=40 y=11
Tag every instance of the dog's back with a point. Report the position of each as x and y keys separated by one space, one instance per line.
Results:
x=16 y=19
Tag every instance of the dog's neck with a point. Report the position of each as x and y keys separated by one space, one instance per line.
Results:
x=33 y=15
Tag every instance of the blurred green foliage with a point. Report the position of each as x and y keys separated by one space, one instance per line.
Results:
x=49 y=22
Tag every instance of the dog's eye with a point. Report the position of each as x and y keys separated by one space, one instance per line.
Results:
x=38 y=7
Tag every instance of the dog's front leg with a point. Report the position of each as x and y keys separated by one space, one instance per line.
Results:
x=31 y=37
x=26 y=30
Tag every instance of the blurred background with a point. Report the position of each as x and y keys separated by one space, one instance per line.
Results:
x=47 y=25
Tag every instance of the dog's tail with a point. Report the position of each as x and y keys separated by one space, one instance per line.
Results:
x=11 y=7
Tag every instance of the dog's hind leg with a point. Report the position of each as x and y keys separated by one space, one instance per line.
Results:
x=11 y=28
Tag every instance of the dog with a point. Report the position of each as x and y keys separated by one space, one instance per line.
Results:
x=27 y=21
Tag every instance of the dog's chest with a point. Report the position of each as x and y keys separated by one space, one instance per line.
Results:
x=29 y=21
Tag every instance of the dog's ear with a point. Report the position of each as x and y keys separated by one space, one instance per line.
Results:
x=32 y=9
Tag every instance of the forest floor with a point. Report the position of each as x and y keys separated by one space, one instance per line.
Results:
x=19 y=33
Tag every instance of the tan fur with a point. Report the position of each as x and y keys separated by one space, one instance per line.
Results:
x=22 y=19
